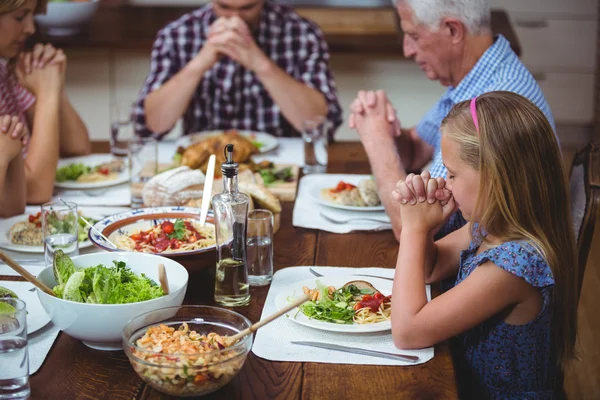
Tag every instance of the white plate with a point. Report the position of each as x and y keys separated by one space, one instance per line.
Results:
x=269 y=142
x=295 y=291
x=331 y=182
x=8 y=223
x=36 y=315
x=91 y=160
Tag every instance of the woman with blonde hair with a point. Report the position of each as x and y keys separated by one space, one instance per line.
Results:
x=32 y=90
x=514 y=305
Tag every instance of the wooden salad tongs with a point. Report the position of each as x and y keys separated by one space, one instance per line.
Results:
x=231 y=340
x=25 y=274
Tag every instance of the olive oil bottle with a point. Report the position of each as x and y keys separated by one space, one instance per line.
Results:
x=231 y=215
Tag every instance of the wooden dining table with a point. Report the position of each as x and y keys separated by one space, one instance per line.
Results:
x=74 y=371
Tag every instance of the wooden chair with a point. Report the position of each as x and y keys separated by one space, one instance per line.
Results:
x=584 y=181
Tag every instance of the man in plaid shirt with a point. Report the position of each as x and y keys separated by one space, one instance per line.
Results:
x=238 y=64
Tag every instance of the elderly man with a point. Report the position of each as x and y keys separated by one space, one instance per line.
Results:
x=452 y=43
x=238 y=64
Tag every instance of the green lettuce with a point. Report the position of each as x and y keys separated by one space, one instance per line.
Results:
x=102 y=285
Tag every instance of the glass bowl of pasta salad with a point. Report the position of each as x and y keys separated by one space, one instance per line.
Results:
x=184 y=351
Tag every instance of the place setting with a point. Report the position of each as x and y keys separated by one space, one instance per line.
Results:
x=346 y=321
x=339 y=203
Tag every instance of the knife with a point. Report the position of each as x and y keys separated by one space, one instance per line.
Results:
x=207 y=191
x=365 y=352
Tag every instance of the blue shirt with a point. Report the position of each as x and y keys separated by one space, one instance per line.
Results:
x=499 y=68
x=497 y=360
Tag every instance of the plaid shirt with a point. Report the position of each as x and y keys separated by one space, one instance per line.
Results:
x=230 y=96
x=499 y=68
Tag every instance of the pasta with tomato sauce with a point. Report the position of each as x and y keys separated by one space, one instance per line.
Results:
x=169 y=237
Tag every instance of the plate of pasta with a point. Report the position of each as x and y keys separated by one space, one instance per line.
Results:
x=341 y=304
x=167 y=231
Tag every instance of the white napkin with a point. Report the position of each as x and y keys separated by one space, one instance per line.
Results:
x=307 y=210
x=34 y=268
x=39 y=342
x=119 y=195
x=272 y=341
x=289 y=151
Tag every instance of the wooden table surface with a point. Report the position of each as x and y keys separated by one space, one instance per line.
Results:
x=73 y=370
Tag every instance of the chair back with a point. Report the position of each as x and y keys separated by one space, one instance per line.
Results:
x=584 y=182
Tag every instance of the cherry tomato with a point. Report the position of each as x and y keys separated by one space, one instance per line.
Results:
x=168 y=227
x=378 y=296
x=358 y=306
x=367 y=297
x=136 y=236
x=104 y=171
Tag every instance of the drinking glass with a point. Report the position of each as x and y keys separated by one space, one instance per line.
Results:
x=259 y=247
x=314 y=134
x=143 y=165
x=122 y=130
x=14 y=358
x=60 y=229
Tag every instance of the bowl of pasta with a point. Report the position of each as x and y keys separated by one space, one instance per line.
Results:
x=184 y=351
x=172 y=232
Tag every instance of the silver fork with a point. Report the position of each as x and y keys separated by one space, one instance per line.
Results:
x=345 y=221
x=315 y=273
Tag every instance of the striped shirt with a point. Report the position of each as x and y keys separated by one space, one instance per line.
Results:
x=499 y=68
x=230 y=96
x=15 y=100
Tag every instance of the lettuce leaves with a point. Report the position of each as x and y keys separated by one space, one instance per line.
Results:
x=101 y=284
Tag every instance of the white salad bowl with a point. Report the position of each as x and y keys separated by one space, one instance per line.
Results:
x=100 y=326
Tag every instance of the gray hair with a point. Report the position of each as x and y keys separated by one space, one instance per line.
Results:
x=474 y=14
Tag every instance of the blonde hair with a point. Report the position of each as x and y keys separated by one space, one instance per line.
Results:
x=525 y=192
x=7 y=6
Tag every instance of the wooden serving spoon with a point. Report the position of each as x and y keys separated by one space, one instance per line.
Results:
x=231 y=340
x=25 y=274
x=162 y=278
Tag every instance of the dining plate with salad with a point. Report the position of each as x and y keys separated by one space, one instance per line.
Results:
x=340 y=303
x=91 y=172
x=24 y=232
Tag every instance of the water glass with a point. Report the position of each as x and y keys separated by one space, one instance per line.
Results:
x=259 y=247
x=60 y=229
x=143 y=165
x=122 y=130
x=314 y=134
x=14 y=358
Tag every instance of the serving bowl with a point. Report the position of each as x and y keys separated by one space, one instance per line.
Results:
x=67 y=17
x=100 y=326
x=142 y=219
x=187 y=374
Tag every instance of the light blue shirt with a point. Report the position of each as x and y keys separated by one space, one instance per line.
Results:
x=499 y=68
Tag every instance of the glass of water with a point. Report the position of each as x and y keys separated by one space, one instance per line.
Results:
x=122 y=130
x=259 y=247
x=60 y=229
x=314 y=134
x=143 y=165
x=14 y=358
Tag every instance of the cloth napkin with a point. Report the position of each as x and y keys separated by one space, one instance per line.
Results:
x=272 y=341
x=119 y=195
x=307 y=210
x=39 y=342
x=289 y=151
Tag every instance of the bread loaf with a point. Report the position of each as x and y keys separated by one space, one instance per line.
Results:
x=162 y=189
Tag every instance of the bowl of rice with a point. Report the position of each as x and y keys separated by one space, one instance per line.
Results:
x=184 y=351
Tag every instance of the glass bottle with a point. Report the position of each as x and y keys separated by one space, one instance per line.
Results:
x=231 y=214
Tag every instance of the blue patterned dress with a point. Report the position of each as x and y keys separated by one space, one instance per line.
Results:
x=502 y=361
